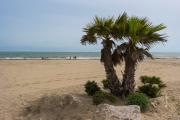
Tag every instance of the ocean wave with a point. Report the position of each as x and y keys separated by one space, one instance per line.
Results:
x=68 y=55
x=78 y=58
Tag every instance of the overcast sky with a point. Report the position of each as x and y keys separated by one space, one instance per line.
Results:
x=57 y=25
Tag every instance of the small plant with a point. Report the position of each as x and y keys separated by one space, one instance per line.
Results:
x=174 y=99
x=178 y=107
x=91 y=87
x=152 y=86
x=111 y=97
x=99 y=97
x=139 y=99
x=105 y=83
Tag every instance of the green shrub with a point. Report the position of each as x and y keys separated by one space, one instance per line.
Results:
x=149 y=90
x=152 y=85
x=105 y=83
x=99 y=97
x=111 y=97
x=139 y=99
x=91 y=87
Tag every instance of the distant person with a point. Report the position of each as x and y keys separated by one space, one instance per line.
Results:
x=70 y=57
x=74 y=57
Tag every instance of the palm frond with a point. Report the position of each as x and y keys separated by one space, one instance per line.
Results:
x=149 y=35
x=121 y=19
x=103 y=26
x=122 y=47
x=140 y=54
x=117 y=57
x=88 y=39
x=119 y=28
x=98 y=29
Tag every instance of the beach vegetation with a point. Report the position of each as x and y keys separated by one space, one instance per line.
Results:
x=100 y=29
x=100 y=96
x=105 y=83
x=91 y=87
x=125 y=39
x=110 y=97
x=152 y=85
x=178 y=107
x=174 y=99
x=139 y=99
x=137 y=35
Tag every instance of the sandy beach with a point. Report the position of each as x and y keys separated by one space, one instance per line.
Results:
x=23 y=81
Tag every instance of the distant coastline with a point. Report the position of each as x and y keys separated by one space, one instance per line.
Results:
x=70 y=55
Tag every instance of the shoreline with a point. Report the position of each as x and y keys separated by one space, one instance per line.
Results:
x=69 y=59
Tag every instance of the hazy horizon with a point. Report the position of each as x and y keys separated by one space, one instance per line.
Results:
x=78 y=51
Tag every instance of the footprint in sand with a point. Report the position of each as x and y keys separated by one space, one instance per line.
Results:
x=25 y=84
x=57 y=80
x=37 y=82
x=48 y=81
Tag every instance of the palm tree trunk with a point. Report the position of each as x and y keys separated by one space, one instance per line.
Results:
x=128 y=82
x=113 y=82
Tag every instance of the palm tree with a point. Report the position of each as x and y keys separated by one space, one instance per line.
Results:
x=138 y=37
x=99 y=29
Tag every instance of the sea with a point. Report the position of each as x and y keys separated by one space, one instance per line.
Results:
x=70 y=55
